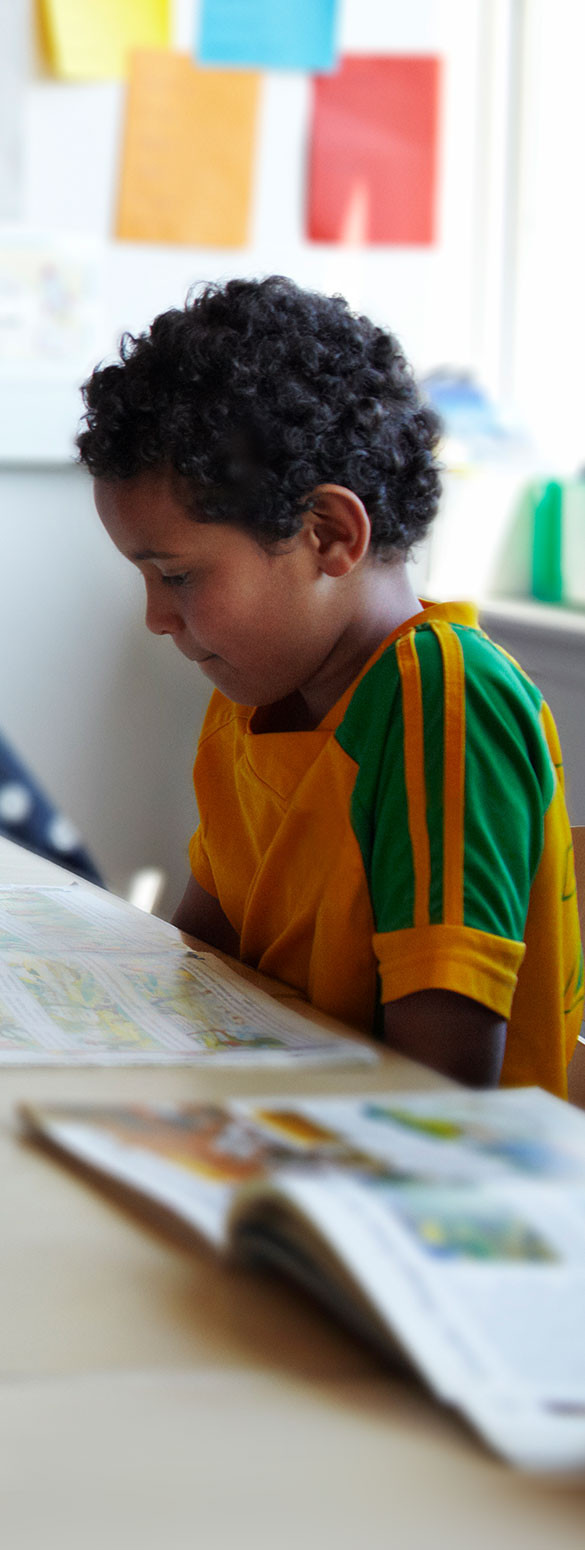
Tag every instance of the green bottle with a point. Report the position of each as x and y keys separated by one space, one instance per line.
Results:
x=547 y=575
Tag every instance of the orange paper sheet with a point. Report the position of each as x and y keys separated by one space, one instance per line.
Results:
x=91 y=39
x=374 y=151
x=188 y=152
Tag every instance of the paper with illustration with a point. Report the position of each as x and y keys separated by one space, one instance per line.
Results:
x=85 y=979
x=450 y=1225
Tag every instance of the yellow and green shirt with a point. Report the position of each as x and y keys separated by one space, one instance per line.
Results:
x=417 y=838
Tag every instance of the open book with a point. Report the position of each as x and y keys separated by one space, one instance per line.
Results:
x=449 y=1228
x=86 y=979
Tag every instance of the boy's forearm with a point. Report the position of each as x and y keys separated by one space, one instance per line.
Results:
x=200 y=915
x=451 y=1033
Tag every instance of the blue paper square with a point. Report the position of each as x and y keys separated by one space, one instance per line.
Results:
x=268 y=34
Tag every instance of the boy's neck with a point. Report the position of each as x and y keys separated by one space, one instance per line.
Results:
x=386 y=600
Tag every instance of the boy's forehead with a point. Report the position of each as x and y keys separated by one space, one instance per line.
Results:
x=148 y=490
x=146 y=506
x=148 y=518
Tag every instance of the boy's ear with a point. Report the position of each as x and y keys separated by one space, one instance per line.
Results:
x=338 y=526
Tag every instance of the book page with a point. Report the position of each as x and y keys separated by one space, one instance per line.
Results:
x=481 y=1274
x=484 y=1290
x=77 y=919
x=196 y=1157
x=85 y=979
x=455 y=1137
x=190 y=1159
x=478 y=1271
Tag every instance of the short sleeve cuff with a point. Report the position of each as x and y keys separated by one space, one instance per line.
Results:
x=199 y=863
x=446 y=957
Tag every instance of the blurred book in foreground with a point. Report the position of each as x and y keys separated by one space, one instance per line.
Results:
x=448 y=1228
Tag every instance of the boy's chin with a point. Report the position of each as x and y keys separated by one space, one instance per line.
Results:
x=242 y=690
x=227 y=679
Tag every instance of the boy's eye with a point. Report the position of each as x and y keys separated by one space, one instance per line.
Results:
x=176 y=581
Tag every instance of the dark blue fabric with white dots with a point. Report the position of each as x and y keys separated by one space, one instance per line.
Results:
x=28 y=817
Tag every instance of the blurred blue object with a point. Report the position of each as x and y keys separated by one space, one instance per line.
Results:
x=268 y=36
x=28 y=817
x=469 y=415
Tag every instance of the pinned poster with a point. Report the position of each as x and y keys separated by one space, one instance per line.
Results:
x=374 y=151
x=91 y=39
x=268 y=35
x=188 y=153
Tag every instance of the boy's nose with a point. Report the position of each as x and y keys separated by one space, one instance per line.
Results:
x=160 y=616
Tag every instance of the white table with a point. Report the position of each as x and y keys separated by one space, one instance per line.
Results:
x=150 y=1397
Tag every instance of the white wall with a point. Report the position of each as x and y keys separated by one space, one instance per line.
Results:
x=548 y=342
x=104 y=712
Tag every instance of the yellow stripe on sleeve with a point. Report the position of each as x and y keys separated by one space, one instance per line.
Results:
x=453 y=771
x=414 y=769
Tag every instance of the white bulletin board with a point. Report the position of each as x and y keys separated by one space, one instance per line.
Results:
x=68 y=161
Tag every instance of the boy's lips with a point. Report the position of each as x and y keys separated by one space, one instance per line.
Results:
x=199 y=658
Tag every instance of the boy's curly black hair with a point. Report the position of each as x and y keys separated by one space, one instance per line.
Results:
x=256 y=392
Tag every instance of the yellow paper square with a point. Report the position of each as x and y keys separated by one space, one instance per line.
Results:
x=188 y=152
x=91 y=39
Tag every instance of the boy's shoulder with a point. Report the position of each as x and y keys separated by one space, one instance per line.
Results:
x=446 y=641
x=441 y=654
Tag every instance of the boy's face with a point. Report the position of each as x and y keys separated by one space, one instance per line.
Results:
x=260 y=623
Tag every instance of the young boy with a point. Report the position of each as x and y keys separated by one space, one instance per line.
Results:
x=382 y=821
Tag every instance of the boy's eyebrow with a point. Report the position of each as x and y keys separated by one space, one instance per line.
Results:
x=153 y=554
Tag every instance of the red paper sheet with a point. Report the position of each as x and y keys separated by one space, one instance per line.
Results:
x=374 y=151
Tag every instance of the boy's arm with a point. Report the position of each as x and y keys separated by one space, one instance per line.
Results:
x=449 y=1032
x=200 y=914
x=439 y=1028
